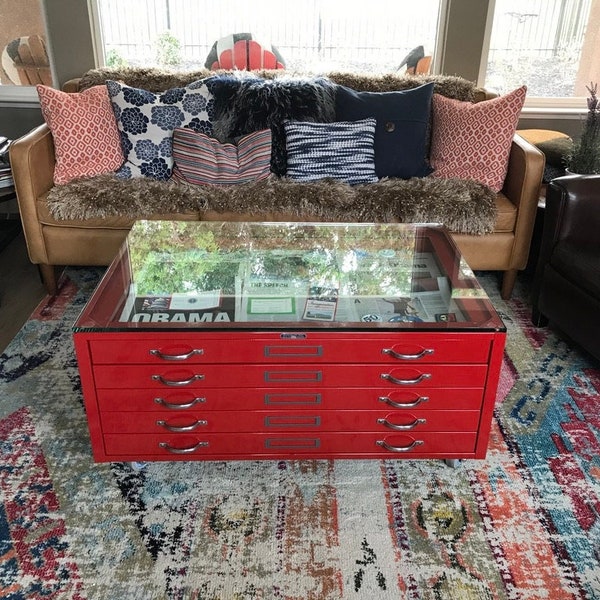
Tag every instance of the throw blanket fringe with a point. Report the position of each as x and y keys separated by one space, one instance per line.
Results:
x=462 y=206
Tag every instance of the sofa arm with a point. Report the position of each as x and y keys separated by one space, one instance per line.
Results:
x=32 y=160
x=522 y=187
x=71 y=85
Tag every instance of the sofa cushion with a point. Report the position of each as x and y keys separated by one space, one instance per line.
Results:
x=83 y=126
x=202 y=160
x=342 y=150
x=245 y=103
x=146 y=121
x=472 y=141
x=402 y=130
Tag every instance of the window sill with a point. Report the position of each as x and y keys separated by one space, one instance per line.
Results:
x=15 y=96
x=547 y=112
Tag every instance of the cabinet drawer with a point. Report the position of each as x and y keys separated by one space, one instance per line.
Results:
x=297 y=376
x=260 y=398
x=212 y=446
x=222 y=421
x=314 y=347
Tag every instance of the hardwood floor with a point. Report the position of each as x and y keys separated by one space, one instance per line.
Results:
x=21 y=289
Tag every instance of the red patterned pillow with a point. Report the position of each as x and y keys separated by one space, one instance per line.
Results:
x=202 y=160
x=84 y=128
x=472 y=140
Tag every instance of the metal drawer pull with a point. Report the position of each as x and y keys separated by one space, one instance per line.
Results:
x=390 y=402
x=185 y=356
x=393 y=379
x=175 y=406
x=189 y=450
x=412 y=425
x=176 y=383
x=182 y=428
x=408 y=448
x=395 y=354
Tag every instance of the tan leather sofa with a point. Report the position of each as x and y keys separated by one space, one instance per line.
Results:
x=53 y=243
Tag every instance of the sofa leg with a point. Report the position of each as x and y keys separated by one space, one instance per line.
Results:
x=508 y=283
x=49 y=279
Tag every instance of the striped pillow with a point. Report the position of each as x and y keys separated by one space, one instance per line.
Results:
x=202 y=160
x=343 y=150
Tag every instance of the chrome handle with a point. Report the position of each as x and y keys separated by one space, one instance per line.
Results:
x=182 y=428
x=175 y=406
x=400 y=356
x=408 y=448
x=412 y=425
x=390 y=402
x=185 y=356
x=175 y=383
x=189 y=450
x=397 y=381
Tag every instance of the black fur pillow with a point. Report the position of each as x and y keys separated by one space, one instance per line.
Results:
x=246 y=104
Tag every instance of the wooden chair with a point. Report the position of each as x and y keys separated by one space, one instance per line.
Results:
x=26 y=62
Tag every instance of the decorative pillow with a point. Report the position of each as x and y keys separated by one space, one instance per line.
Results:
x=472 y=141
x=402 y=130
x=202 y=160
x=343 y=150
x=244 y=104
x=86 y=138
x=146 y=121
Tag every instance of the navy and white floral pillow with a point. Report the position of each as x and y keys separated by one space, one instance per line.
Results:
x=146 y=121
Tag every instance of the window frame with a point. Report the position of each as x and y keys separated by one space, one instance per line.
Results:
x=535 y=107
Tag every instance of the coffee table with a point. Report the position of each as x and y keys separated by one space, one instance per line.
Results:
x=223 y=341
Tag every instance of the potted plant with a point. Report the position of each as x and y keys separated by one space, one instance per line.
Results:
x=584 y=158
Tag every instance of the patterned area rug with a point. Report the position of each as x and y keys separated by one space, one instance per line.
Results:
x=522 y=524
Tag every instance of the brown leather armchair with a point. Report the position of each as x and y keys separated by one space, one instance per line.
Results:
x=566 y=290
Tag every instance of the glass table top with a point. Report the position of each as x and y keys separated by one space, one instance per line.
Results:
x=183 y=275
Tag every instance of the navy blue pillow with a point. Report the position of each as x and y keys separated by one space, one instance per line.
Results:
x=402 y=130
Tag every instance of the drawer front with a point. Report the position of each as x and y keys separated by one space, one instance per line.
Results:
x=255 y=445
x=237 y=399
x=223 y=421
x=253 y=348
x=296 y=376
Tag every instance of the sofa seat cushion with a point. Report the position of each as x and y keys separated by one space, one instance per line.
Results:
x=507 y=212
x=462 y=206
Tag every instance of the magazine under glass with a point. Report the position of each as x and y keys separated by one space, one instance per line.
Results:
x=179 y=274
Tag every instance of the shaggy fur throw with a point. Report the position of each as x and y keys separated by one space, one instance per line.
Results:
x=450 y=86
x=463 y=206
x=247 y=104
x=158 y=80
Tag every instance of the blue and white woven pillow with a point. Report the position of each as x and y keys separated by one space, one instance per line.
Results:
x=342 y=150
x=146 y=121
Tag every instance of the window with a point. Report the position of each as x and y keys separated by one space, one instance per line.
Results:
x=549 y=45
x=310 y=35
x=23 y=49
